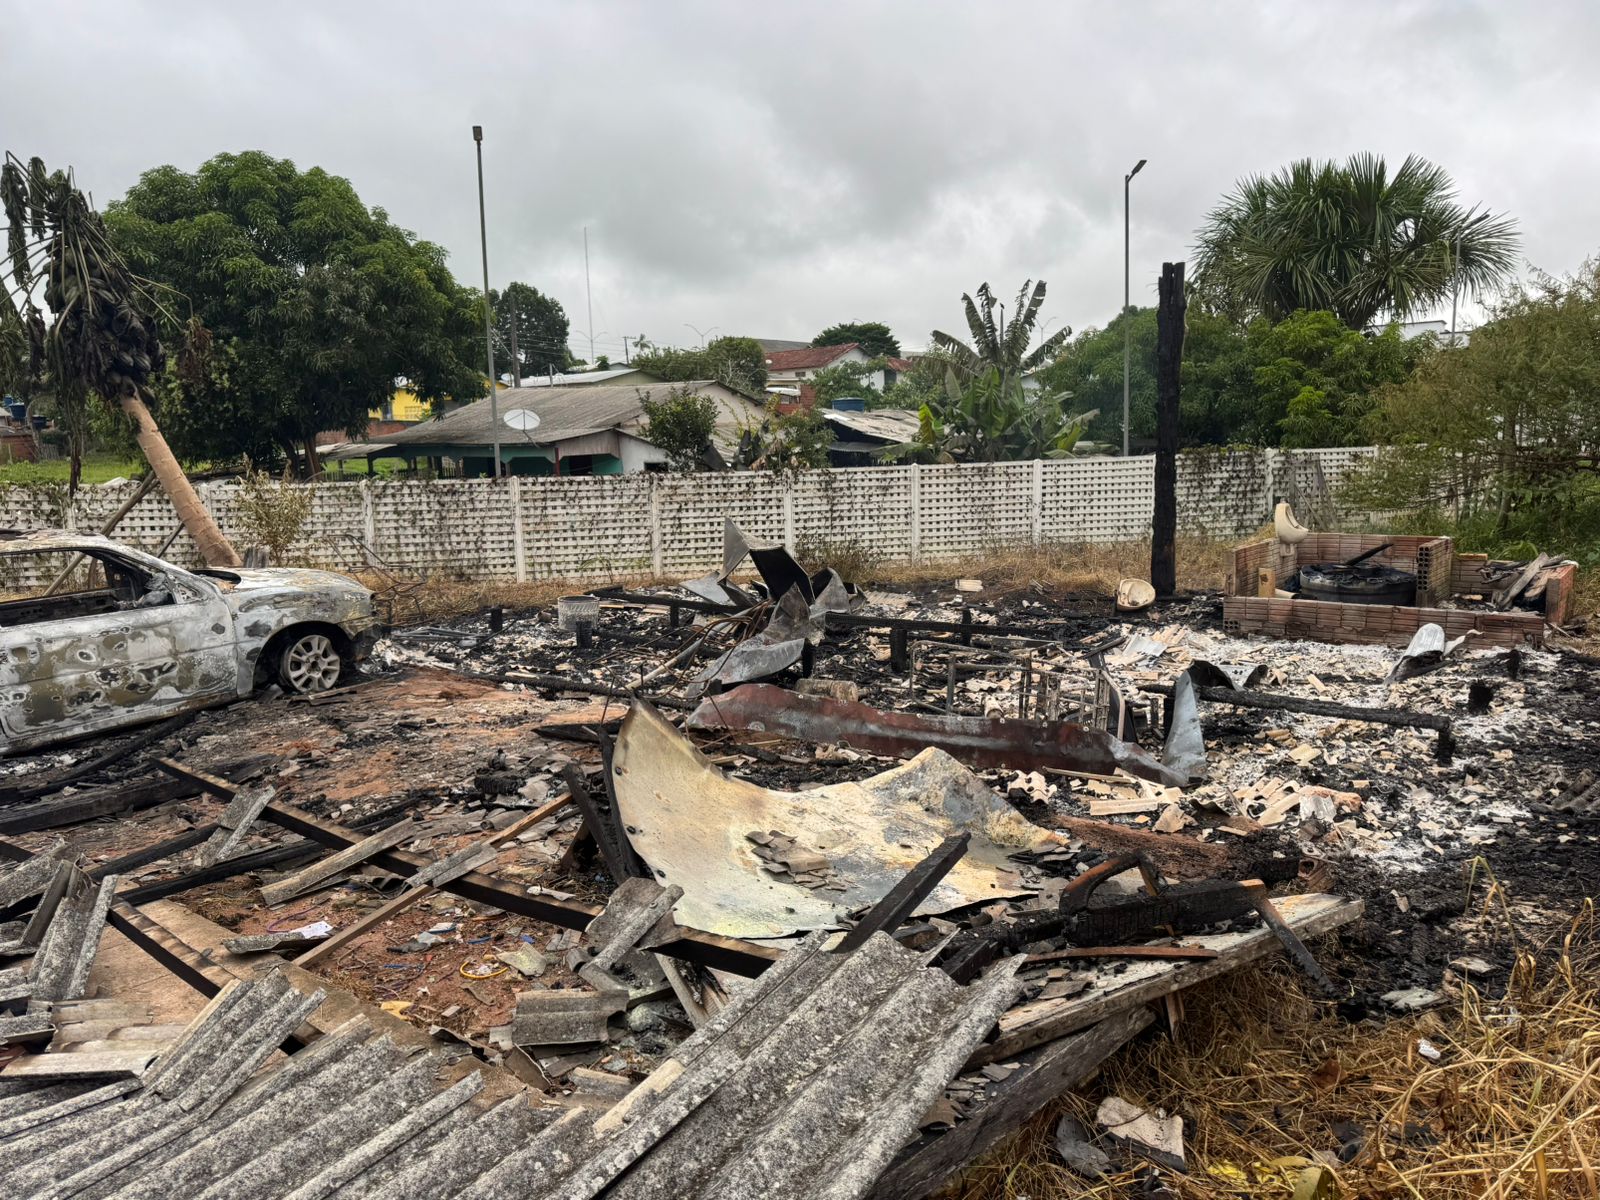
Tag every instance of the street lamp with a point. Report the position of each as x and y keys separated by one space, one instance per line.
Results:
x=1127 y=325
x=1455 y=285
x=488 y=317
x=703 y=333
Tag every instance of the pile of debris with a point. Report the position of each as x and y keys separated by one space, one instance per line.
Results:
x=801 y=889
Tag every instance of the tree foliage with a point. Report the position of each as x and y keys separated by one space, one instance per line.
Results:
x=997 y=345
x=681 y=425
x=736 y=362
x=916 y=387
x=1305 y=381
x=797 y=441
x=1505 y=431
x=541 y=327
x=1349 y=238
x=991 y=419
x=847 y=379
x=874 y=338
x=323 y=302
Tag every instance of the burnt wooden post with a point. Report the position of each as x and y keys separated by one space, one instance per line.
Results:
x=1169 y=358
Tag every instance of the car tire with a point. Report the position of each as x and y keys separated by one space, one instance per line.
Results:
x=309 y=662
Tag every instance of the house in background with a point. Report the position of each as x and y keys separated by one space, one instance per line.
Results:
x=583 y=430
x=790 y=368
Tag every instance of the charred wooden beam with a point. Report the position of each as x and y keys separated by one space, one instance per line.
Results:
x=1169 y=357
x=902 y=900
x=707 y=949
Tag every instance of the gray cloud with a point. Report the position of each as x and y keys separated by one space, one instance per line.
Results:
x=769 y=169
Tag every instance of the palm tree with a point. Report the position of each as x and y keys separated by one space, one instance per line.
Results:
x=1349 y=238
x=103 y=336
x=997 y=346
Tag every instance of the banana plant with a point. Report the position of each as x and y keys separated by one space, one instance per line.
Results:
x=996 y=344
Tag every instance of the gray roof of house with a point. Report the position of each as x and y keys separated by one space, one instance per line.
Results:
x=564 y=412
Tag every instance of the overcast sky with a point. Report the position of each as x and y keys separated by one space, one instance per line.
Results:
x=770 y=168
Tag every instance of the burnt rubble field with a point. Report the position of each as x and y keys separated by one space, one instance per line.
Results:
x=1519 y=792
x=620 y=837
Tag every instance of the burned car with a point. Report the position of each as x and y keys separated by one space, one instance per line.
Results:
x=95 y=635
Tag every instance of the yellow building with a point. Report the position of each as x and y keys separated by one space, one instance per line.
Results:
x=406 y=406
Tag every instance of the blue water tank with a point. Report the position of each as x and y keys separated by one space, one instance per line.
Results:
x=849 y=404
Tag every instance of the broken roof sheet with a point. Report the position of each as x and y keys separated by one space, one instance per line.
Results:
x=701 y=830
x=804 y=1087
x=882 y=425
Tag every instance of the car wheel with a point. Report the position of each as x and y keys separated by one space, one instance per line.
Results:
x=309 y=663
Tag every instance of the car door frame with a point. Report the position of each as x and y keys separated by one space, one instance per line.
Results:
x=110 y=670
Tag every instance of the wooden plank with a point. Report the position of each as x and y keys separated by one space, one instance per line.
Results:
x=349 y=933
x=747 y=959
x=1110 y=806
x=351 y=856
x=219 y=787
x=1173 y=952
x=355 y=929
x=1030 y=1025
x=234 y=824
x=104 y=1064
x=1045 y=1073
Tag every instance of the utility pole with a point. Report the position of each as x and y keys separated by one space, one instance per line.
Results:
x=588 y=296
x=516 y=361
x=625 y=357
x=488 y=315
x=1127 y=323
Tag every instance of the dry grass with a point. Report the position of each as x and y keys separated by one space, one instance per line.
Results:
x=1203 y=565
x=1259 y=1072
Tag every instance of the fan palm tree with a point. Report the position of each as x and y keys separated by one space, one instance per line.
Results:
x=103 y=336
x=997 y=346
x=1350 y=238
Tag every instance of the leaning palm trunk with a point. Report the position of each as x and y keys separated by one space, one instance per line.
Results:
x=214 y=548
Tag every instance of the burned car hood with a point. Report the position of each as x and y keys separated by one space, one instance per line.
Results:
x=309 y=595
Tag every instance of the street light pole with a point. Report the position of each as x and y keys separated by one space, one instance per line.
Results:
x=588 y=296
x=1455 y=286
x=702 y=333
x=1127 y=324
x=488 y=316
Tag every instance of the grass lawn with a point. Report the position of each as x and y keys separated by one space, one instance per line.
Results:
x=97 y=468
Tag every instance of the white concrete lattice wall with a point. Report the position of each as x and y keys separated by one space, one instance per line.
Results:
x=671 y=525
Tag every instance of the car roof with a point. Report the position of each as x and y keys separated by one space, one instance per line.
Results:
x=14 y=541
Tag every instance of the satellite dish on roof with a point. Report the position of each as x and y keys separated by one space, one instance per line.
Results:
x=522 y=419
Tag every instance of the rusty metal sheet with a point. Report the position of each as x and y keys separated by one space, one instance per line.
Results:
x=692 y=824
x=977 y=741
